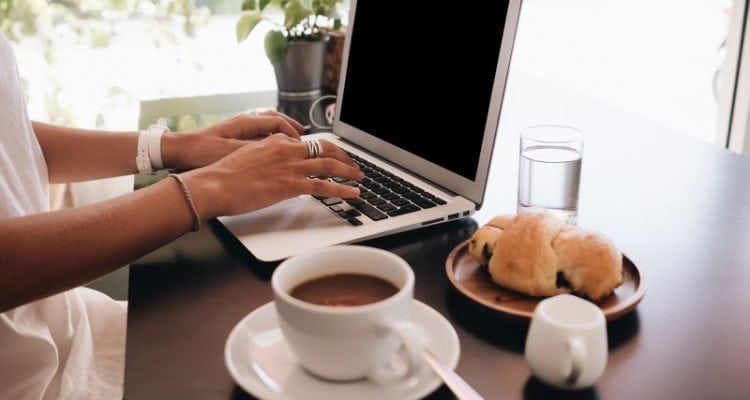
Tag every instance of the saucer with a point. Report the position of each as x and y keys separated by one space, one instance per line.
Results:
x=474 y=282
x=261 y=362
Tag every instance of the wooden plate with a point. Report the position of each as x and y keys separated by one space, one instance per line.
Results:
x=473 y=281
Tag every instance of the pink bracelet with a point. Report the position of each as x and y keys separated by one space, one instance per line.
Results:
x=189 y=198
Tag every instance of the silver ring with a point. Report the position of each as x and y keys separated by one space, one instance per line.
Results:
x=314 y=149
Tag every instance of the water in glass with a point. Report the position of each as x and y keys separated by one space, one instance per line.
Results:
x=549 y=176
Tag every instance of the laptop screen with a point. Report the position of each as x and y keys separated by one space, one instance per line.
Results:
x=420 y=76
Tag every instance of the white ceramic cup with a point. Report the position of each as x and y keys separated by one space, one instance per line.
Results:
x=347 y=343
x=566 y=346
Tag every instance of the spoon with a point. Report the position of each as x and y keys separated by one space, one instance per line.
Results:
x=455 y=383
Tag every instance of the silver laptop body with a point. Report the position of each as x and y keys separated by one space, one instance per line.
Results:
x=436 y=135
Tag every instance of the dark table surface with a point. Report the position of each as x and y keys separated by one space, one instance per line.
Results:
x=678 y=208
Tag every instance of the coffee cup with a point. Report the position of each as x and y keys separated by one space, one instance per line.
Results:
x=345 y=312
x=566 y=346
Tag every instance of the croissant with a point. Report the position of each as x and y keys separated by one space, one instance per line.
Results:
x=537 y=254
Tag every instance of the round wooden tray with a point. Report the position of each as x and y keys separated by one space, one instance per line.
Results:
x=473 y=281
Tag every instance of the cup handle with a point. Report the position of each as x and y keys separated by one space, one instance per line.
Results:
x=412 y=345
x=577 y=357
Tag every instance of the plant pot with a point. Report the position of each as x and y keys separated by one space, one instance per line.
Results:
x=300 y=73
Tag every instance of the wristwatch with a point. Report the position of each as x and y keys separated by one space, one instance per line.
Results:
x=148 y=158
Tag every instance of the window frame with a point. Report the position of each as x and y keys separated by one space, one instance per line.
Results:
x=733 y=129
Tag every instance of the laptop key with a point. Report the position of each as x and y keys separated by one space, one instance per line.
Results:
x=386 y=207
x=400 y=189
x=438 y=200
x=403 y=210
x=331 y=201
x=389 y=196
x=389 y=174
x=376 y=201
x=391 y=184
x=351 y=213
x=370 y=211
x=422 y=202
x=354 y=221
x=400 y=202
x=411 y=195
x=371 y=184
x=355 y=201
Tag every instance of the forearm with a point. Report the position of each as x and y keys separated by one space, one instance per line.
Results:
x=47 y=253
x=77 y=154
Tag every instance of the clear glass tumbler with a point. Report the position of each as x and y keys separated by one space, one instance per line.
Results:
x=549 y=171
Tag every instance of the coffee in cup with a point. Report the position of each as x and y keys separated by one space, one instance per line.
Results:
x=344 y=290
x=346 y=312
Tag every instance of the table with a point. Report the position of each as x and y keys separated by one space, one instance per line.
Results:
x=680 y=209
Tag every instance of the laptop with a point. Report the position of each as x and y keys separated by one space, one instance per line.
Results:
x=418 y=105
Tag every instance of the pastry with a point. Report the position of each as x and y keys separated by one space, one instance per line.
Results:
x=523 y=258
x=590 y=262
x=483 y=241
x=537 y=254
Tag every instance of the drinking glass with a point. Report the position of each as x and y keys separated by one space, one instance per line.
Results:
x=549 y=172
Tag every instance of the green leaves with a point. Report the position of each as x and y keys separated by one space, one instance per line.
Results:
x=325 y=7
x=300 y=22
x=275 y=45
x=294 y=13
x=248 y=5
x=247 y=22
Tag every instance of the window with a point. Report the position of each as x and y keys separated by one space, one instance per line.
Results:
x=88 y=63
x=661 y=60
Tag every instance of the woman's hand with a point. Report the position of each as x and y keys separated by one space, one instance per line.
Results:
x=187 y=150
x=267 y=171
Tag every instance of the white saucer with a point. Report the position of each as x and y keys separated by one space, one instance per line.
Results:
x=261 y=362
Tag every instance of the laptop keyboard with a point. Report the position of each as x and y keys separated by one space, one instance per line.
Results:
x=382 y=195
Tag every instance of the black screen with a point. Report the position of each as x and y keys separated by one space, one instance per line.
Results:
x=420 y=76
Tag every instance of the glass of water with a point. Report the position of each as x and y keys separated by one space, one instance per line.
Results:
x=549 y=171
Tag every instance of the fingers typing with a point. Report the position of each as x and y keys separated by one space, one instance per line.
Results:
x=296 y=125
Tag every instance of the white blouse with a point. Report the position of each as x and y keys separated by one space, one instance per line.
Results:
x=70 y=345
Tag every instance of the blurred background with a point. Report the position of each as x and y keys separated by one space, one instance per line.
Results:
x=89 y=63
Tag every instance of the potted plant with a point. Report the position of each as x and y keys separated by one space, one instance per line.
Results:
x=295 y=46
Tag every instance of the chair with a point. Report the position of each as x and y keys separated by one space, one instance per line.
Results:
x=218 y=104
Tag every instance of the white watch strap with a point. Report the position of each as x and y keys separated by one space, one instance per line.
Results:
x=154 y=135
x=142 y=158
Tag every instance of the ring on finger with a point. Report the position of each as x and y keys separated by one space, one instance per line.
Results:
x=314 y=149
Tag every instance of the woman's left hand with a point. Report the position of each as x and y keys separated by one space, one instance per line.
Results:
x=187 y=150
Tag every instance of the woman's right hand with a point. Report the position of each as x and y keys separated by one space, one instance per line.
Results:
x=267 y=171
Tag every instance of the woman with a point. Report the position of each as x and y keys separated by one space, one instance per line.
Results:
x=59 y=340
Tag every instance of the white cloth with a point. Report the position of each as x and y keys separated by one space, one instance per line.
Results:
x=70 y=345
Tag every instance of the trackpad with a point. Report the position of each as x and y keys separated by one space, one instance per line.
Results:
x=299 y=213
